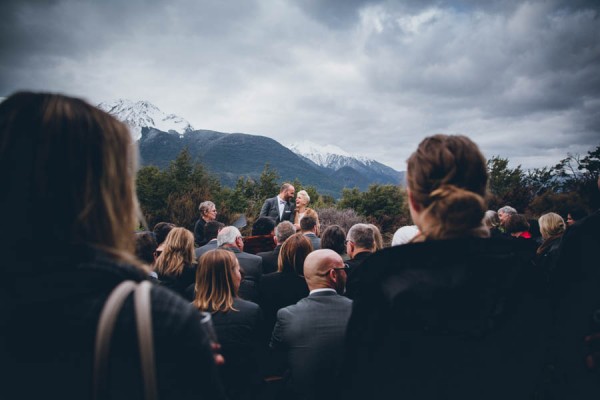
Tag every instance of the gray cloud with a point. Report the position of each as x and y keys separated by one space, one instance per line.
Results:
x=373 y=77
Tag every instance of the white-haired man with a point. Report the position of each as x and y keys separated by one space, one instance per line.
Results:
x=230 y=238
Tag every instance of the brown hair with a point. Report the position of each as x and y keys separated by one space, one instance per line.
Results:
x=517 y=223
x=215 y=289
x=177 y=252
x=447 y=177
x=292 y=254
x=68 y=167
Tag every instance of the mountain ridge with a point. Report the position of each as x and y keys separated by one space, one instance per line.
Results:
x=231 y=155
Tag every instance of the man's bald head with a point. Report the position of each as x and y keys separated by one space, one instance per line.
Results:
x=324 y=268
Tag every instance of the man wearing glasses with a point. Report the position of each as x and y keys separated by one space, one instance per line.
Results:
x=311 y=332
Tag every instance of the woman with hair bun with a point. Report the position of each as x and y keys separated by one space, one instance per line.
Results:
x=445 y=316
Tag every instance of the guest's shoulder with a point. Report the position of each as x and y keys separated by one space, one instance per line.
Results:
x=242 y=304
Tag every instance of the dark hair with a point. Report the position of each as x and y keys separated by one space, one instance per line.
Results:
x=161 y=230
x=516 y=223
x=211 y=229
x=145 y=244
x=307 y=223
x=577 y=213
x=70 y=168
x=334 y=237
x=447 y=178
x=263 y=226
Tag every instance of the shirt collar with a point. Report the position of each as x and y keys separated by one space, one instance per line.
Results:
x=322 y=290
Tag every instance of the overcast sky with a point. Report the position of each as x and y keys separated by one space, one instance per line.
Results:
x=522 y=79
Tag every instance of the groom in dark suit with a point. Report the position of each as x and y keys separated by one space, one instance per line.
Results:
x=312 y=331
x=281 y=207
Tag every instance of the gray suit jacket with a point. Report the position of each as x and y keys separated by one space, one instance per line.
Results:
x=203 y=249
x=270 y=209
x=314 y=240
x=251 y=266
x=312 y=333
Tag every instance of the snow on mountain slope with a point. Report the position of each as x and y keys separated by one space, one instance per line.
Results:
x=145 y=114
x=328 y=156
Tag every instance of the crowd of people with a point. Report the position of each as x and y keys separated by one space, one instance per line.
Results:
x=466 y=303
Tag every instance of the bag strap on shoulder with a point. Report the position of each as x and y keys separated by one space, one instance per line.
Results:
x=106 y=326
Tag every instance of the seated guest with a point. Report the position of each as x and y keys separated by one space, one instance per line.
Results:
x=302 y=209
x=287 y=285
x=517 y=226
x=311 y=333
x=145 y=246
x=69 y=168
x=235 y=320
x=552 y=227
x=230 y=238
x=575 y=214
x=309 y=228
x=211 y=230
x=334 y=238
x=263 y=237
x=175 y=266
x=404 y=234
x=377 y=237
x=161 y=230
x=492 y=222
x=208 y=212
x=283 y=231
x=444 y=316
x=504 y=214
x=360 y=243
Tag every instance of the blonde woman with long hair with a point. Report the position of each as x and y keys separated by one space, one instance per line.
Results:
x=175 y=265
x=236 y=321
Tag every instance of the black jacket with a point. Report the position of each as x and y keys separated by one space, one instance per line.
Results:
x=445 y=320
x=49 y=330
x=238 y=335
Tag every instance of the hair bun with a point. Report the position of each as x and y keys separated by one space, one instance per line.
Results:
x=443 y=191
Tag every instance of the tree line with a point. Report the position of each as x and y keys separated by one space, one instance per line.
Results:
x=173 y=194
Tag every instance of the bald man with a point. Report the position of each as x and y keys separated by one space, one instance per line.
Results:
x=312 y=331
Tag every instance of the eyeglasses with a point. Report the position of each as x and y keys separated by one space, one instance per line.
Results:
x=348 y=241
x=345 y=268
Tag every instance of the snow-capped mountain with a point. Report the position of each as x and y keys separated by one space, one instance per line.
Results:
x=140 y=114
x=335 y=159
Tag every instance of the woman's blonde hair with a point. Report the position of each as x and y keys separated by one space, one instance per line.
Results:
x=215 y=289
x=447 y=178
x=68 y=168
x=292 y=254
x=304 y=193
x=551 y=224
x=178 y=251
